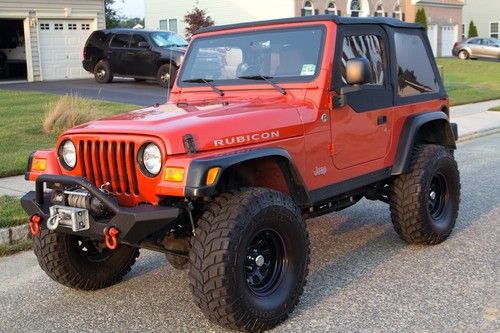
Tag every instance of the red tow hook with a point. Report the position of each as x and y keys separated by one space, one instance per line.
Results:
x=110 y=237
x=35 y=224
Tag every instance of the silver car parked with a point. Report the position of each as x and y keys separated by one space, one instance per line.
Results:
x=477 y=47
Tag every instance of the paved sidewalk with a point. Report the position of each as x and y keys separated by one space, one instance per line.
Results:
x=15 y=186
x=473 y=120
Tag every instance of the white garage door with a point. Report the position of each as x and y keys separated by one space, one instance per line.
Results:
x=448 y=38
x=432 y=33
x=61 y=47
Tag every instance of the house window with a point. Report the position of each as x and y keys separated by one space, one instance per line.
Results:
x=44 y=26
x=331 y=9
x=85 y=26
x=494 y=29
x=308 y=9
x=164 y=25
x=397 y=13
x=379 y=11
x=355 y=8
x=71 y=26
x=58 y=26
x=172 y=25
x=168 y=25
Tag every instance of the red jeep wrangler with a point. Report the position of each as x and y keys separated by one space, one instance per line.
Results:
x=268 y=124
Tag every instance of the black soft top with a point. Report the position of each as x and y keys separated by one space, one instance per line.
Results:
x=340 y=20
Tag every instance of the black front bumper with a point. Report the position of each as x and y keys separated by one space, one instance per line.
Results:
x=134 y=224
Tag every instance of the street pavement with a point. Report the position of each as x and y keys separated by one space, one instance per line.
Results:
x=362 y=278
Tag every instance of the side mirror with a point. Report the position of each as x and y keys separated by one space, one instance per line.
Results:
x=143 y=45
x=358 y=71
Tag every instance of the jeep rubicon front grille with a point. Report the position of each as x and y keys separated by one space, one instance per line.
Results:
x=110 y=161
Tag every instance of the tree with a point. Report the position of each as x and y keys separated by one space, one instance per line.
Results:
x=196 y=19
x=472 y=30
x=421 y=17
x=112 y=19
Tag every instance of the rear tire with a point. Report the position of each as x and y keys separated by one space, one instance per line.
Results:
x=249 y=258
x=102 y=72
x=166 y=75
x=425 y=201
x=463 y=55
x=80 y=263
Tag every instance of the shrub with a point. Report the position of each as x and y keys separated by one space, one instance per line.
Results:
x=69 y=111
x=472 y=30
x=421 y=17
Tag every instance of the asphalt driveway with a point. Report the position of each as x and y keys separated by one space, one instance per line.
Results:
x=120 y=90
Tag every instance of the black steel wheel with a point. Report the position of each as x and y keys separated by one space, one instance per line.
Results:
x=248 y=261
x=265 y=261
x=425 y=201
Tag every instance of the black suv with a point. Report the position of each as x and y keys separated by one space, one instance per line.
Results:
x=141 y=54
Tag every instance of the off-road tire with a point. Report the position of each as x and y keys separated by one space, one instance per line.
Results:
x=218 y=259
x=418 y=214
x=166 y=75
x=102 y=72
x=463 y=55
x=60 y=256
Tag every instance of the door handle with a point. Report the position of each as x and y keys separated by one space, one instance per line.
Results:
x=381 y=120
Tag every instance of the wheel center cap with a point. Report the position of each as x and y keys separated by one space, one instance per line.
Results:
x=259 y=261
x=432 y=195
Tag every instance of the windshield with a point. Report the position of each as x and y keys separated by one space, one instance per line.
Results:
x=168 y=39
x=285 y=55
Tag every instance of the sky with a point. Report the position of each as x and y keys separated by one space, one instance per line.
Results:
x=130 y=8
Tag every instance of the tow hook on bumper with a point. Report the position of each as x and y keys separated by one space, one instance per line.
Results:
x=130 y=225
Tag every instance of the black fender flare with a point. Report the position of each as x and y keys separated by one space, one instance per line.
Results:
x=198 y=169
x=413 y=124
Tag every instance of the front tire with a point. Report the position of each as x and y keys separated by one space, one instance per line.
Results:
x=102 y=72
x=249 y=259
x=424 y=201
x=80 y=263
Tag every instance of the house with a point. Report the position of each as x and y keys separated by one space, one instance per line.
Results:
x=486 y=17
x=444 y=16
x=46 y=37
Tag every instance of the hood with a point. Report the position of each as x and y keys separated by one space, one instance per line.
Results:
x=174 y=49
x=212 y=126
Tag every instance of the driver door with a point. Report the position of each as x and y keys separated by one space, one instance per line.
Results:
x=361 y=128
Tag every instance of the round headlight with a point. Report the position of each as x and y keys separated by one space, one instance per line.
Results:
x=151 y=158
x=67 y=154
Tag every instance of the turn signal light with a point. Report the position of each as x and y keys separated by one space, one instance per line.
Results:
x=174 y=174
x=39 y=164
x=212 y=175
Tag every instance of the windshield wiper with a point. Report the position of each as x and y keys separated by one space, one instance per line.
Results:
x=207 y=82
x=263 y=78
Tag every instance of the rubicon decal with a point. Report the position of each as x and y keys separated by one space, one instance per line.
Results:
x=246 y=138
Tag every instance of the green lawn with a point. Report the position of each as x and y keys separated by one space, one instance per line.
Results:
x=11 y=249
x=471 y=80
x=11 y=213
x=21 y=115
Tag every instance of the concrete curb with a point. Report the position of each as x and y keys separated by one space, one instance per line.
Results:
x=15 y=234
x=478 y=134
